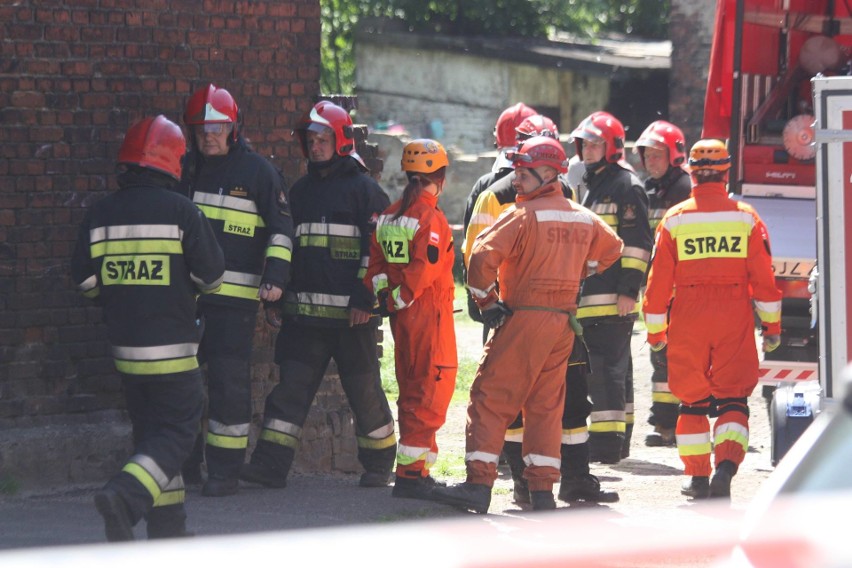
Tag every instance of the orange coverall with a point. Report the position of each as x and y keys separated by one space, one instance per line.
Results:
x=539 y=249
x=412 y=258
x=711 y=259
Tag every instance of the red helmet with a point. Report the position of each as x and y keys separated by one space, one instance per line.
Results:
x=155 y=143
x=212 y=105
x=663 y=136
x=326 y=114
x=537 y=125
x=601 y=126
x=539 y=151
x=509 y=120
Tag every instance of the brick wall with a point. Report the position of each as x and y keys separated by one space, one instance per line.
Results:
x=74 y=75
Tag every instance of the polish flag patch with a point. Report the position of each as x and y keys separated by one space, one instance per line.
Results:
x=434 y=239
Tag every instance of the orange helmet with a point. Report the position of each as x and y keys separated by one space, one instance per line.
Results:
x=326 y=114
x=155 y=143
x=537 y=125
x=601 y=126
x=539 y=151
x=212 y=105
x=709 y=154
x=424 y=156
x=508 y=121
x=663 y=136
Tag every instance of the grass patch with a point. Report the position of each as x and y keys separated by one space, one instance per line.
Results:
x=8 y=485
x=449 y=464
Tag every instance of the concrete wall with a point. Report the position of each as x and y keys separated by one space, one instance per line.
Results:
x=457 y=98
x=691 y=34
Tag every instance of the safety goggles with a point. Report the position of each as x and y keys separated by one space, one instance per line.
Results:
x=212 y=128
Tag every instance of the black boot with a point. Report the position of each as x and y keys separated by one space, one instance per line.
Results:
x=697 y=487
x=585 y=488
x=217 y=487
x=606 y=447
x=625 y=446
x=167 y=522
x=514 y=456
x=661 y=438
x=378 y=466
x=720 y=486
x=415 y=487
x=469 y=496
x=118 y=525
x=257 y=472
x=542 y=500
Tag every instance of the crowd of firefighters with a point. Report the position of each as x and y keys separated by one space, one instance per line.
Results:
x=557 y=254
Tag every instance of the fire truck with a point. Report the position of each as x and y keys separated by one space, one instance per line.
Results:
x=774 y=66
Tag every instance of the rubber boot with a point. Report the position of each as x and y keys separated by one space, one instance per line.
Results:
x=415 y=487
x=167 y=522
x=261 y=470
x=378 y=466
x=542 y=500
x=215 y=487
x=474 y=497
x=513 y=452
x=720 y=485
x=605 y=447
x=697 y=487
x=118 y=525
x=625 y=446
x=577 y=483
x=661 y=438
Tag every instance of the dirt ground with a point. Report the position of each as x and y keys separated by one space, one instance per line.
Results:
x=649 y=480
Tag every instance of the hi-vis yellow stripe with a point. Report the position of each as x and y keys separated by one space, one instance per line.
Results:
x=719 y=234
x=144 y=246
x=238 y=217
x=156 y=367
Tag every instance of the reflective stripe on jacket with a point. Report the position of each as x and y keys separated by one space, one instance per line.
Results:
x=711 y=240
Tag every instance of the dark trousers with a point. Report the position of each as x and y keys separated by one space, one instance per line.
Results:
x=226 y=349
x=165 y=415
x=609 y=351
x=303 y=354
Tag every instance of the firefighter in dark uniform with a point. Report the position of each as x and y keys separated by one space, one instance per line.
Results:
x=327 y=308
x=143 y=253
x=662 y=149
x=609 y=301
x=245 y=198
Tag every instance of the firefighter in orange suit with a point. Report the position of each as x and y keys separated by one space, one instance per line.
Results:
x=711 y=261
x=539 y=249
x=411 y=273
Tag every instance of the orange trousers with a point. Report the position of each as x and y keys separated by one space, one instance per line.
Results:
x=523 y=368
x=426 y=365
x=713 y=368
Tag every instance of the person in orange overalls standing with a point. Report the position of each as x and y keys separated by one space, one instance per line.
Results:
x=539 y=250
x=711 y=261
x=411 y=273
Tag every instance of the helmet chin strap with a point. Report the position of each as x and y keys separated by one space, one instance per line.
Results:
x=541 y=182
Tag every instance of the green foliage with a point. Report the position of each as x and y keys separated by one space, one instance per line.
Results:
x=8 y=485
x=524 y=18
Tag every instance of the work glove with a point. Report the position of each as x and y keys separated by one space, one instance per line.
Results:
x=494 y=315
x=771 y=343
x=383 y=300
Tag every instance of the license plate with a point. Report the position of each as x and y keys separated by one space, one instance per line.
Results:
x=792 y=268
